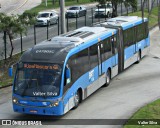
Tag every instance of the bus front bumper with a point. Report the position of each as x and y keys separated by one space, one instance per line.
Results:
x=55 y=110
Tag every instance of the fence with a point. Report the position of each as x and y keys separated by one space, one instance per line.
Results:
x=36 y=34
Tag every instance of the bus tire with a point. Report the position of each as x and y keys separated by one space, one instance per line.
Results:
x=77 y=99
x=139 y=57
x=108 y=78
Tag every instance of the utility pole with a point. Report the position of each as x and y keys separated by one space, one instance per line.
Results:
x=46 y=2
x=62 y=16
x=149 y=5
x=159 y=14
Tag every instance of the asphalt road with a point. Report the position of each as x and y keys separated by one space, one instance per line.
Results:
x=41 y=32
x=17 y=6
x=130 y=90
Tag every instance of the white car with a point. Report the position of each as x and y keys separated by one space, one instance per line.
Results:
x=76 y=11
x=49 y=17
x=104 y=10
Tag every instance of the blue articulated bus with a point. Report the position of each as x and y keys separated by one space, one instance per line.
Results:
x=54 y=76
x=134 y=41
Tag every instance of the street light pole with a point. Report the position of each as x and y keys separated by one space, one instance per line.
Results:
x=62 y=16
x=46 y=2
x=159 y=14
x=150 y=5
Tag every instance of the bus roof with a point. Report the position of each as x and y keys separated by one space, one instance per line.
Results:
x=124 y=21
x=56 y=49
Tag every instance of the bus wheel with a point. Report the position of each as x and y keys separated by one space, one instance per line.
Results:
x=139 y=57
x=77 y=99
x=108 y=78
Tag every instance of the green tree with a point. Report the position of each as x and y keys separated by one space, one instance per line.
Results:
x=15 y=24
x=127 y=3
x=53 y=2
x=132 y=3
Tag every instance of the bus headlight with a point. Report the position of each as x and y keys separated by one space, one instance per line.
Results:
x=15 y=100
x=55 y=104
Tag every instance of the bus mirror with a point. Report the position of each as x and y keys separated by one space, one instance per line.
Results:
x=10 y=71
x=68 y=75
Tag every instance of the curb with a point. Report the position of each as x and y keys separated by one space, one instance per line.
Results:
x=6 y=86
x=154 y=26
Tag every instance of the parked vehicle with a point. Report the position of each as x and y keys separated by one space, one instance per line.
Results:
x=49 y=17
x=104 y=10
x=76 y=11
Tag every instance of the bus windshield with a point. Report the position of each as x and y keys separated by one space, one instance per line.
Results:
x=38 y=80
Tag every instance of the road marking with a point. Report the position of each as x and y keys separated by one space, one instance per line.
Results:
x=50 y=28
x=19 y=7
x=19 y=38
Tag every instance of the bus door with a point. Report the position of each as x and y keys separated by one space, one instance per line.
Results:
x=135 y=39
x=120 y=50
x=100 y=52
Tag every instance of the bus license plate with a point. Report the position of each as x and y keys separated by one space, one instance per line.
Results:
x=33 y=111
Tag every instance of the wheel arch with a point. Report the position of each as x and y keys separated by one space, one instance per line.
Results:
x=110 y=70
x=81 y=93
x=140 y=51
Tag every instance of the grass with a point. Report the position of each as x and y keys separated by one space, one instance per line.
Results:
x=4 y=65
x=153 y=19
x=150 y=111
x=50 y=5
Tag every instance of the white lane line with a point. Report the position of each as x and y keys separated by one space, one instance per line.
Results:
x=52 y=27
x=18 y=7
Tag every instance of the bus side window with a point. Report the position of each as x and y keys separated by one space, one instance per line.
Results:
x=67 y=75
x=113 y=45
